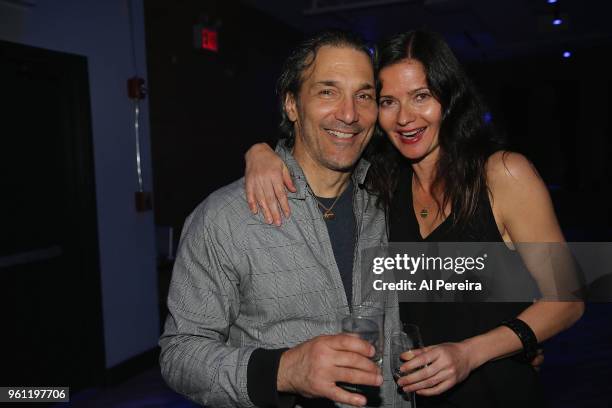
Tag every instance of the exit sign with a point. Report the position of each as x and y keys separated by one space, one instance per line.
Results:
x=209 y=39
x=206 y=38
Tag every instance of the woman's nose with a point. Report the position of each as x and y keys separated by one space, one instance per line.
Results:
x=405 y=116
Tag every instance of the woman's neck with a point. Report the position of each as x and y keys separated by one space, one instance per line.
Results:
x=425 y=171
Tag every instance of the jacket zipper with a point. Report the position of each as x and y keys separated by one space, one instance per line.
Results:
x=355 y=243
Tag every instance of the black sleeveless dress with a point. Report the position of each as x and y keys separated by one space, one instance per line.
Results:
x=507 y=382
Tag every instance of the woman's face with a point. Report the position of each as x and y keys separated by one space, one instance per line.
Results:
x=408 y=111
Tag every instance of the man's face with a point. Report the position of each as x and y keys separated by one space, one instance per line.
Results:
x=335 y=111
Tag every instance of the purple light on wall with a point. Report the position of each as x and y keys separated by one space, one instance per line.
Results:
x=567 y=54
x=557 y=21
x=487 y=117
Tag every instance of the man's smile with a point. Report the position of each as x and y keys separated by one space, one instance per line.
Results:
x=345 y=135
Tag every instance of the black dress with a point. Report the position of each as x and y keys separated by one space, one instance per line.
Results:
x=506 y=382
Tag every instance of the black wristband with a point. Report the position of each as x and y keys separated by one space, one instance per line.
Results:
x=527 y=337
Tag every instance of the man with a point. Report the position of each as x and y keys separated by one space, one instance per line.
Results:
x=250 y=304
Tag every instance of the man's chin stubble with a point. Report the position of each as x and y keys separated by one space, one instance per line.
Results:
x=341 y=167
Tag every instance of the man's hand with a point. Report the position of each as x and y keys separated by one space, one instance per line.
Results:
x=266 y=177
x=313 y=368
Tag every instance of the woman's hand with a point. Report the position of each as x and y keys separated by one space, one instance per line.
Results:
x=443 y=366
x=265 y=178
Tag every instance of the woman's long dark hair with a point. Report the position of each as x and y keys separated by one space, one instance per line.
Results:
x=466 y=140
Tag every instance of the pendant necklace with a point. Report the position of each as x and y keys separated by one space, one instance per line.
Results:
x=424 y=210
x=328 y=214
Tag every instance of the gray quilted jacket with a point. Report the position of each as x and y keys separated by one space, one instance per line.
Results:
x=239 y=284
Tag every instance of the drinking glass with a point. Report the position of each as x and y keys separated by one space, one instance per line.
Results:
x=366 y=321
x=409 y=338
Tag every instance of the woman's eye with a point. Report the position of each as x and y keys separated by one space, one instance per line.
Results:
x=421 y=97
x=385 y=102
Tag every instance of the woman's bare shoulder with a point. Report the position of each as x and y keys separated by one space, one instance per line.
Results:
x=508 y=169
x=520 y=198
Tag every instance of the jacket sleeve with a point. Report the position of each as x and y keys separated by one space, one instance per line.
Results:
x=203 y=303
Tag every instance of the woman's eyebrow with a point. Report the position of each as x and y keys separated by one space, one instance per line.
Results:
x=412 y=92
x=423 y=88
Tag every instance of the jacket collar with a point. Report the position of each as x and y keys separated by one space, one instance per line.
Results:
x=299 y=179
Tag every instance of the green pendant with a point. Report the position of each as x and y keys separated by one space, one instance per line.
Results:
x=424 y=213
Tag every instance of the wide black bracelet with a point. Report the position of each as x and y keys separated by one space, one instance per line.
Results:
x=527 y=337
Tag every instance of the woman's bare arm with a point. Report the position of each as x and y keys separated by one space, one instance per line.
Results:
x=523 y=209
x=266 y=177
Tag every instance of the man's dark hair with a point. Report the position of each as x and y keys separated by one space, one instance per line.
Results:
x=292 y=75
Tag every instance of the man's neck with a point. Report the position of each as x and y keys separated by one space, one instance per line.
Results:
x=327 y=186
x=324 y=182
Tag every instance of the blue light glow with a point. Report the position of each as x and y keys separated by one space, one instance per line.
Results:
x=552 y=1
x=557 y=21
x=487 y=117
x=567 y=54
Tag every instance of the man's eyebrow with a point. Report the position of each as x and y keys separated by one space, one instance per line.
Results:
x=364 y=86
x=326 y=83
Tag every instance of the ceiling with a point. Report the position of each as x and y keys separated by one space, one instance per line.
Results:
x=476 y=29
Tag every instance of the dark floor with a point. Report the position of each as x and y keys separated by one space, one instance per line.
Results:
x=145 y=390
x=577 y=372
x=578 y=363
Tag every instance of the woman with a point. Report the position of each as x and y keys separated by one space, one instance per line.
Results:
x=442 y=176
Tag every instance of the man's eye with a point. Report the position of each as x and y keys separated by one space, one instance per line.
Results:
x=326 y=92
x=365 y=97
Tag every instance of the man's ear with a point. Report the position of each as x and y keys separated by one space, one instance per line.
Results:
x=291 y=107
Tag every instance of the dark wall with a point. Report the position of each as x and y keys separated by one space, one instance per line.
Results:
x=558 y=112
x=207 y=108
x=100 y=31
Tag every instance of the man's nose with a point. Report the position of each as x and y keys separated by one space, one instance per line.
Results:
x=347 y=111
